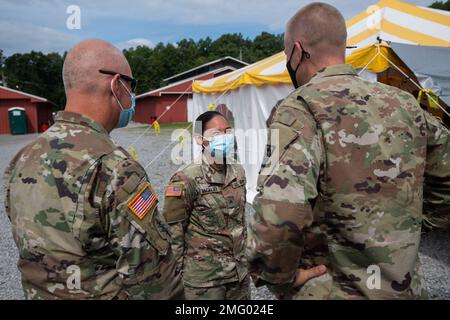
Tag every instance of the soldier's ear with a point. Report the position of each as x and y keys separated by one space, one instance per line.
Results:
x=198 y=139
x=115 y=84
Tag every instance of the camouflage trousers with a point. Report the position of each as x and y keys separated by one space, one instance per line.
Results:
x=229 y=291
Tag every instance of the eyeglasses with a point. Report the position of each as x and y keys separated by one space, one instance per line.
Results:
x=214 y=132
x=123 y=76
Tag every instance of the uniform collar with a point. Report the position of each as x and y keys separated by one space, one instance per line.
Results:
x=77 y=118
x=213 y=175
x=336 y=70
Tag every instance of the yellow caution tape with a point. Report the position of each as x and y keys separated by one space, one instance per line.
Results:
x=181 y=140
x=432 y=98
x=134 y=154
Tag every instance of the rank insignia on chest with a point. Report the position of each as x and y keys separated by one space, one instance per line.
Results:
x=238 y=183
x=143 y=202
x=174 y=190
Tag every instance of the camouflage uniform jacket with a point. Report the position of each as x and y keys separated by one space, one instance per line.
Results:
x=68 y=196
x=206 y=211
x=360 y=168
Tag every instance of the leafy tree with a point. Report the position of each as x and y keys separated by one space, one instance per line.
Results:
x=36 y=73
x=140 y=60
x=188 y=50
x=41 y=74
x=266 y=44
x=441 y=5
x=231 y=45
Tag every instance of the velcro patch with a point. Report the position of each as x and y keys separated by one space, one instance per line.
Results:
x=174 y=190
x=210 y=189
x=143 y=202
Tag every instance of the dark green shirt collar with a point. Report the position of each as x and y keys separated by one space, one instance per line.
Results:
x=77 y=118
x=336 y=70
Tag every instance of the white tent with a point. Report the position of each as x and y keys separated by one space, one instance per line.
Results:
x=251 y=93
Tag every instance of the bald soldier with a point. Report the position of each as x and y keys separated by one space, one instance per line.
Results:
x=358 y=169
x=83 y=213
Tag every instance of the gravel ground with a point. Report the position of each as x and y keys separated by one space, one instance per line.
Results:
x=435 y=254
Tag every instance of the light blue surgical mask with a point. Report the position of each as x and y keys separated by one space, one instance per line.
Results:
x=125 y=114
x=221 y=145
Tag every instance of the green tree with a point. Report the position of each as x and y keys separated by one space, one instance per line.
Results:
x=441 y=5
x=140 y=60
x=231 y=45
x=204 y=46
x=36 y=73
x=266 y=44
x=41 y=74
x=188 y=52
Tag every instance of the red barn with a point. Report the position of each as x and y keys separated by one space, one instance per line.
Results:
x=156 y=103
x=38 y=110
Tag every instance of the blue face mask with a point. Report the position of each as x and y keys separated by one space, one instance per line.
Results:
x=221 y=145
x=125 y=114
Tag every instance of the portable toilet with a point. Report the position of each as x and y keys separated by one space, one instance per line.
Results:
x=17 y=120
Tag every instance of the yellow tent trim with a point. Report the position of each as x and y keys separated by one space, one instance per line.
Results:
x=227 y=80
x=403 y=7
x=362 y=36
x=358 y=18
x=418 y=12
x=367 y=57
x=280 y=57
x=413 y=36
x=401 y=32
x=371 y=58
x=246 y=78
x=360 y=58
x=261 y=73
x=248 y=75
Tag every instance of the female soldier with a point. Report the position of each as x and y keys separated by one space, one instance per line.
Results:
x=205 y=208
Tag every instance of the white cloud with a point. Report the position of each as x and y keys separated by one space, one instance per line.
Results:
x=178 y=12
x=133 y=43
x=16 y=38
x=41 y=25
x=215 y=12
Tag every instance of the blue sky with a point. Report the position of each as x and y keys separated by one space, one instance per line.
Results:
x=27 y=25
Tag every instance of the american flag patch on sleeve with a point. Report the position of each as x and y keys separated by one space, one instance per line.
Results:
x=174 y=190
x=144 y=201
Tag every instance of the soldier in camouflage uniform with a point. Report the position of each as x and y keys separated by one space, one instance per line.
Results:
x=72 y=197
x=360 y=168
x=205 y=208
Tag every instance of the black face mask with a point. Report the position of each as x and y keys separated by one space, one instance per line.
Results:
x=292 y=72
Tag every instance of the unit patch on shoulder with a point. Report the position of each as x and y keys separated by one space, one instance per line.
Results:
x=143 y=202
x=174 y=190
